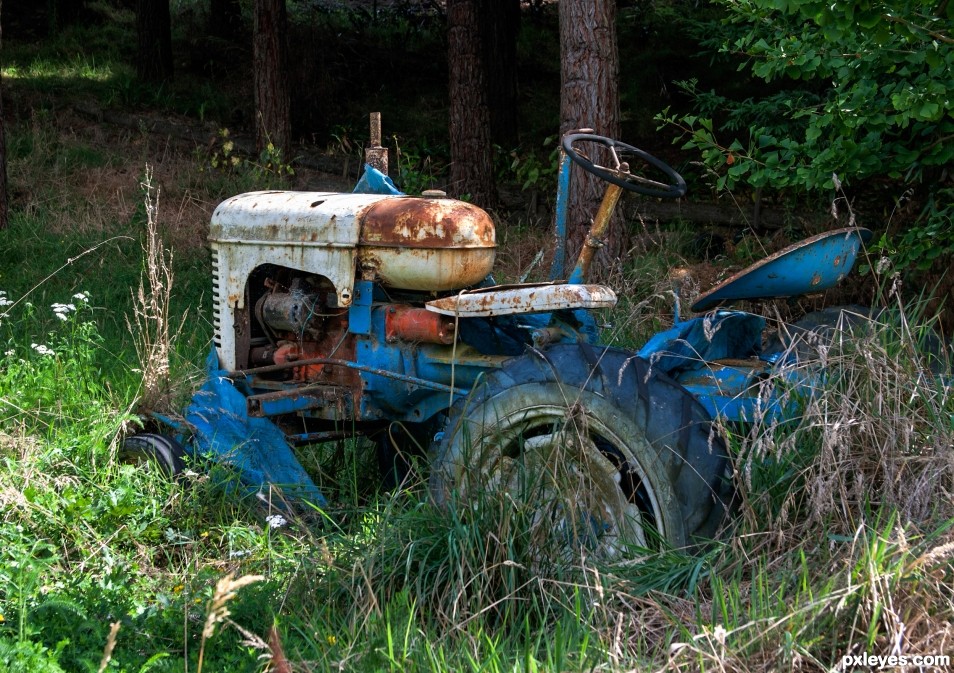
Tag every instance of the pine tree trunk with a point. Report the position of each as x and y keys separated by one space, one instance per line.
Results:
x=500 y=24
x=154 y=29
x=471 y=151
x=272 y=96
x=589 y=66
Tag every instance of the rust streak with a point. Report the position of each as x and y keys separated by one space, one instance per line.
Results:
x=426 y=223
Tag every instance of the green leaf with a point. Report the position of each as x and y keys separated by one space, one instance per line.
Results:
x=929 y=110
x=868 y=19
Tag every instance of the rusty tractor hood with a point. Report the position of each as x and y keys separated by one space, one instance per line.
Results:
x=427 y=244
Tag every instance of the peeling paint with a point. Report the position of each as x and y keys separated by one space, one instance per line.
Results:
x=531 y=298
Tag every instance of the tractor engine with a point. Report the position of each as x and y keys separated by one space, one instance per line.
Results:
x=294 y=322
x=297 y=276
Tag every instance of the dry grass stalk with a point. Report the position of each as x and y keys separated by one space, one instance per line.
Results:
x=110 y=645
x=279 y=662
x=225 y=590
x=876 y=415
x=150 y=325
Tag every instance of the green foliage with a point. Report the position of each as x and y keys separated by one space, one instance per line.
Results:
x=266 y=171
x=53 y=381
x=932 y=237
x=864 y=94
x=26 y=656
x=420 y=167
x=531 y=172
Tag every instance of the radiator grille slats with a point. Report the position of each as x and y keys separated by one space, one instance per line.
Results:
x=216 y=300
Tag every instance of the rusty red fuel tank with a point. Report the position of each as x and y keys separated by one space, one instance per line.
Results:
x=426 y=243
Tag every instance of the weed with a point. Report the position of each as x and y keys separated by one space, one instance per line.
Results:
x=152 y=309
x=266 y=171
x=529 y=171
x=418 y=170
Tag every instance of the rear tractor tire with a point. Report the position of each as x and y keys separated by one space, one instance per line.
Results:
x=599 y=454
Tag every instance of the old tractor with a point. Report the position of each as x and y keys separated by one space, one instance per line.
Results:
x=376 y=314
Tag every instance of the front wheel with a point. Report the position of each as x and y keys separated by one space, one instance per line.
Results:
x=152 y=449
x=597 y=451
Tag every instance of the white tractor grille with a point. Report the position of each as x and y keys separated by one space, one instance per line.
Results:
x=216 y=300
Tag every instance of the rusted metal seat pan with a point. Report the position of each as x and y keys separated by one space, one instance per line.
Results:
x=530 y=298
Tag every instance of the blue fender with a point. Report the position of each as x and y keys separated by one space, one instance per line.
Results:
x=255 y=447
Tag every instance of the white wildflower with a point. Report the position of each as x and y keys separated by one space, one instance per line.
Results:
x=42 y=349
x=10 y=353
x=4 y=300
x=239 y=553
x=275 y=520
x=62 y=311
x=82 y=296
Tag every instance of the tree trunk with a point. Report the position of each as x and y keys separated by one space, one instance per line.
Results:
x=272 y=96
x=4 y=204
x=225 y=19
x=471 y=152
x=65 y=13
x=500 y=25
x=154 y=29
x=589 y=71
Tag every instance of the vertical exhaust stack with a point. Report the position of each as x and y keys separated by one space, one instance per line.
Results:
x=375 y=154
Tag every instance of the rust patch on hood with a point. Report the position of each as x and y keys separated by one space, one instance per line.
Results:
x=426 y=223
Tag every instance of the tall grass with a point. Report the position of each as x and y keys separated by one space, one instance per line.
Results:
x=844 y=543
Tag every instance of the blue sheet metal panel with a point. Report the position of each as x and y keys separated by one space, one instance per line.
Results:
x=359 y=313
x=737 y=409
x=687 y=350
x=812 y=265
x=778 y=400
x=283 y=405
x=295 y=398
x=255 y=447
x=724 y=334
x=731 y=389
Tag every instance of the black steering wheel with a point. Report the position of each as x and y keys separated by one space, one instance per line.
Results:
x=620 y=174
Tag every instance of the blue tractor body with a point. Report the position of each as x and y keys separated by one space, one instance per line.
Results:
x=339 y=315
